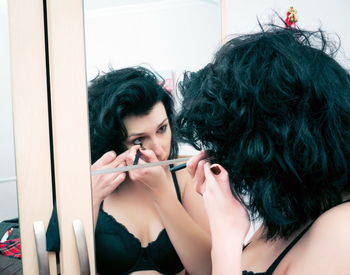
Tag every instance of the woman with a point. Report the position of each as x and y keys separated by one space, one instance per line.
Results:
x=272 y=112
x=147 y=221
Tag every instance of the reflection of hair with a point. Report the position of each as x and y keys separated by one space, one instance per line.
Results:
x=117 y=94
x=274 y=109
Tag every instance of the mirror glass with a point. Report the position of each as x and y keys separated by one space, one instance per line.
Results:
x=166 y=36
x=8 y=191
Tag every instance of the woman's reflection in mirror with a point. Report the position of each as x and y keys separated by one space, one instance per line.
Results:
x=146 y=220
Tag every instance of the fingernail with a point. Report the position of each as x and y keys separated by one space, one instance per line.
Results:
x=141 y=145
x=215 y=169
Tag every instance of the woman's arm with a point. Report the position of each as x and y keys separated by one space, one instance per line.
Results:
x=229 y=221
x=104 y=184
x=226 y=254
x=188 y=229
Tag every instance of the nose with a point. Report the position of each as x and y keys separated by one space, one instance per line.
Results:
x=157 y=147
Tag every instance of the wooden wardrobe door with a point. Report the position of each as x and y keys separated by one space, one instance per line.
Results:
x=225 y=17
x=70 y=132
x=31 y=128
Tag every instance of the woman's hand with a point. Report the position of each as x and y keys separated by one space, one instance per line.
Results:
x=226 y=214
x=105 y=184
x=154 y=178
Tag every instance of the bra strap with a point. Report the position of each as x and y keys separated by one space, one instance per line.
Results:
x=274 y=265
x=176 y=184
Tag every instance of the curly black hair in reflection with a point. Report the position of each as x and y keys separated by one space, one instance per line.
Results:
x=119 y=93
x=274 y=109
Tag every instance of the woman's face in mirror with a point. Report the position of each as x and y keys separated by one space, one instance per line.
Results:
x=152 y=130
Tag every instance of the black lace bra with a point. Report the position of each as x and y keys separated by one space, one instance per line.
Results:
x=120 y=252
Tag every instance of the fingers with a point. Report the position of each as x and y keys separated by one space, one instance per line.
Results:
x=145 y=155
x=106 y=159
x=109 y=177
x=193 y=163
x=216 y=174
x=118 y=180
x=105 y=184
x=215 y=171
x=148 y=156
x=216 y=178
x=199 y=177
x=112 y=176
x=131 y=154
x=109 y=160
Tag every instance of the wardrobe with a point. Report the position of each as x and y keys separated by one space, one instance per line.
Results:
x=51 y=133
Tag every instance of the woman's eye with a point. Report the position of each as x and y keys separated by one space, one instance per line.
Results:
x=162 y=129
x=137 y=141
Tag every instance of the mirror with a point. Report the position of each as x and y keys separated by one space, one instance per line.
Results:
x=8 y=202
x=168 y=37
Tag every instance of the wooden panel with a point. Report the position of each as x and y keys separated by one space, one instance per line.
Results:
x=225 y=14
x=31 y=127
x=70 y=127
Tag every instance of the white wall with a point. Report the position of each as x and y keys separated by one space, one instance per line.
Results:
x=168 y=35
x=331 y=15
x=8 y=191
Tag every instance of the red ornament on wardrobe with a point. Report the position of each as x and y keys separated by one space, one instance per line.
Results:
x=291 y=18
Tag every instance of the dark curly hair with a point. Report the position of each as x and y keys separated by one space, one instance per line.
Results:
x=274 y=109
x=113 y=96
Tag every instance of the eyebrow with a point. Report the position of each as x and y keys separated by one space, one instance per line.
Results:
x=140 y=134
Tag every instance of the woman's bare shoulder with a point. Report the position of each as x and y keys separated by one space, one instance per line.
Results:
x=183 y=178
x=325 y=248
x=191 y=200
x=332 y=222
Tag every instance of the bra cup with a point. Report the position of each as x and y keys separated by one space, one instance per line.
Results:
x=164 y=255
x=116 y=252
x=120 y=252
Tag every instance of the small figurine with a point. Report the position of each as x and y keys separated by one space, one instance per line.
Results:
x=291 y=18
